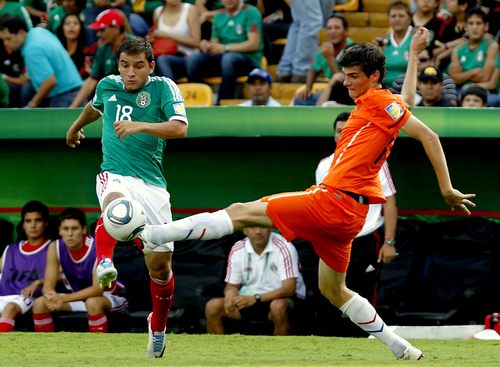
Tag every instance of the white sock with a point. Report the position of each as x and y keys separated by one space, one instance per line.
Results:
x=363 y=314
x=206 y=226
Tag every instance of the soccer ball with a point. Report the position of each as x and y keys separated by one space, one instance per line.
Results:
x=124 y=219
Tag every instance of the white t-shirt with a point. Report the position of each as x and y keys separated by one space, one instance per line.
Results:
x=374 y=217
x=271 y=102
x=265 y=272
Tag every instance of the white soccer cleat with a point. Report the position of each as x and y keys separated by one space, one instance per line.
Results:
x=411 y=353
x=156 y=342
x=106 y=273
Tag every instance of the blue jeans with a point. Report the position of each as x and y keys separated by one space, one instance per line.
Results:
x=302 y=39
x=171 y=66
x=63 y=99
x=229 y=65
x=139 y=25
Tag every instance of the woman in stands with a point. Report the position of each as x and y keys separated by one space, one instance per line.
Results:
x=180 y=22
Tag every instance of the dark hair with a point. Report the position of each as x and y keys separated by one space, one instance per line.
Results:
x=476 y=11
x=136 y=46
x=82 y=36
x=369 y=57
x=470 y=3
x=399 y=5
x=341 y=17
x=343 y=116
x=12 y=24
x=35 y=206
x=73 y=213
x=476 y=91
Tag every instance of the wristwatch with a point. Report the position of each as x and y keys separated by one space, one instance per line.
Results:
x=391 y=242
x=257 y=297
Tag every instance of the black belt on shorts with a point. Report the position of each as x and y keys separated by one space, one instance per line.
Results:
x=359 y=198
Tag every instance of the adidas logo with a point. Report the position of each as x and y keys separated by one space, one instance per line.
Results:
x=112 y=98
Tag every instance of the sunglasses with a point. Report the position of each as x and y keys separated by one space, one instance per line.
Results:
x=423 y=59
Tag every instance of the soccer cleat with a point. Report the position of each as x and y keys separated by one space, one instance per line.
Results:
x=156 y=342
x=106 y=273
x=412 y=353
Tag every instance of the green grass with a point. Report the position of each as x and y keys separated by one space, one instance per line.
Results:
x=84 y=349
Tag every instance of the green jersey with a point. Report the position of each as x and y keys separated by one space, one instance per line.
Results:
x=474 y=58
x=17 y=10
x=396 y=57
x=234 y=29
x=138 y=155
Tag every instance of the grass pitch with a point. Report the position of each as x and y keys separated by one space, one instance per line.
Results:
x=84 y=349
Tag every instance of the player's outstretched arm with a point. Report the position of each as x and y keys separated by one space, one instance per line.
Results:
x=173 y=129
x=75 y=132
x=432 y=146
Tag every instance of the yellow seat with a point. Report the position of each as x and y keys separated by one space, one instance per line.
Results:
x=216 y=80
x=366 y=34
x=197 y=94
x=352 y=5
x=357 y=19
x=279 y=42
x=379 y=20
x=380 y=6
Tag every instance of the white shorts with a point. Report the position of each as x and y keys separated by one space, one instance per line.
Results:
x=154 y=199
x=25 y=303
x=117 y=303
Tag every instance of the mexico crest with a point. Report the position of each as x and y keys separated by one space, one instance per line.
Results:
x=143 y=99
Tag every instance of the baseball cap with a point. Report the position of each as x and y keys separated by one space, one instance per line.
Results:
x=259 y=74
x=108 y=18
x=431 y=73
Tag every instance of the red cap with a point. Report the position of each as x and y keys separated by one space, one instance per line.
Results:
x=108 y=18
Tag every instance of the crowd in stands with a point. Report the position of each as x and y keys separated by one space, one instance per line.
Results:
x=220 y=42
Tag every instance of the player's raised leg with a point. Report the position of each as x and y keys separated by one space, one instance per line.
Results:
x=332 y=285
x=209 y=226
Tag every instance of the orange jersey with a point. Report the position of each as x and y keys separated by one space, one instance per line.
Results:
x=366 y=142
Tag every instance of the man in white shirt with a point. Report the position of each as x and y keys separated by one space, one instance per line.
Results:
x=259 y=82
x=368 y=248
x=263 y=282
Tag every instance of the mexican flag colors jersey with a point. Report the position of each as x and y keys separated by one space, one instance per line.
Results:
x=138 y=155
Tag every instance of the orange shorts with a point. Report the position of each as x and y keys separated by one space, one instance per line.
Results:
x=327 y=218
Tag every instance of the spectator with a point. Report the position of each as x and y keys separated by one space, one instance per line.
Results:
x=49 y=67
x=234 y=49
x=263 y=282
x=259 y=82
x=449 y=90
x=325 y=65
x=180 y=22
x=430 y=85
x=110 y=27
x=368 y=250
x=396 y=44
x=426 y=16
x=475 y=61
x=73 y=37
x=474 y=96
x=4 y=93
x=38 y=10
x=276 y=19
x=96 y=7
x=74 y=255
x=17 y=10
x=452 y=32
x=307 y=19
x=12 y=70
x=22 y=266
x=66 y=7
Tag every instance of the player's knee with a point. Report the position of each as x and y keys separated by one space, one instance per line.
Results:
x=332 y=294
x=94 y=305
x=214 y=308
x=39 y=305
x=11 y=310
x=278 y=309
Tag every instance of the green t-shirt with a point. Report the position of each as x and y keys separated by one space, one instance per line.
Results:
x=4 y=93
x=56 y=16
x=105 y=61
x=471 y=59
x=396 y=58
x=321 y=65
x=138 y=155
x=17 y=10
x=234 y=29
